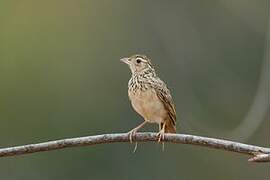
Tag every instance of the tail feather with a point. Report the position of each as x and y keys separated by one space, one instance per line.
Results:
x=170 y=127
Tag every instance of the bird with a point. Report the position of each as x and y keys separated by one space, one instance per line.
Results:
x=149 y=96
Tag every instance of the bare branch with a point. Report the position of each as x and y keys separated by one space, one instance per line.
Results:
x=260 y=158
x=259 y=153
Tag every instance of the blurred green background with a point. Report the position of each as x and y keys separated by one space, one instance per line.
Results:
x=61 y=77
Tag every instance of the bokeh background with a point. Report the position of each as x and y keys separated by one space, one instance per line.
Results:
x=61 y=77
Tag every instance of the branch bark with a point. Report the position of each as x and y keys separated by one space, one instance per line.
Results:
x=258 y=154
x=260 y=157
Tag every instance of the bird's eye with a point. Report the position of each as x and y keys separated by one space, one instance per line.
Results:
x=138 y=61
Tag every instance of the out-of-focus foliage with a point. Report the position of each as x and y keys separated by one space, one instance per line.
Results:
x=61 y=77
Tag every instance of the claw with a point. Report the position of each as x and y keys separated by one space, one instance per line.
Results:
x=161 y=136
x=135 y=148
x=131 y=134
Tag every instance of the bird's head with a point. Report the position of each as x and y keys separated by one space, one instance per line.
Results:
x=138 y=63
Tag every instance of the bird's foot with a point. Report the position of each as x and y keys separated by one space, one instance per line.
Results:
x=161 y=135
x=134 y=131
x=131 y=134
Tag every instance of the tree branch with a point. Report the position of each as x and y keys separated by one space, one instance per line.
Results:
x=259 y=154
x=260 y=157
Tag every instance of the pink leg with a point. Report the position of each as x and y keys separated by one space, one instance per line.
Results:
x=161 y=133
x=133 y=131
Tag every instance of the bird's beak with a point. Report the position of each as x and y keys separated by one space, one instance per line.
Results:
x=125 y=60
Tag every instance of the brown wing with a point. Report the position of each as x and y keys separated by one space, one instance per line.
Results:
x=165 y=96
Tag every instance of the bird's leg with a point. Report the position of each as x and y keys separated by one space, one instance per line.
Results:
x=161 y=133
x=133 y=131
